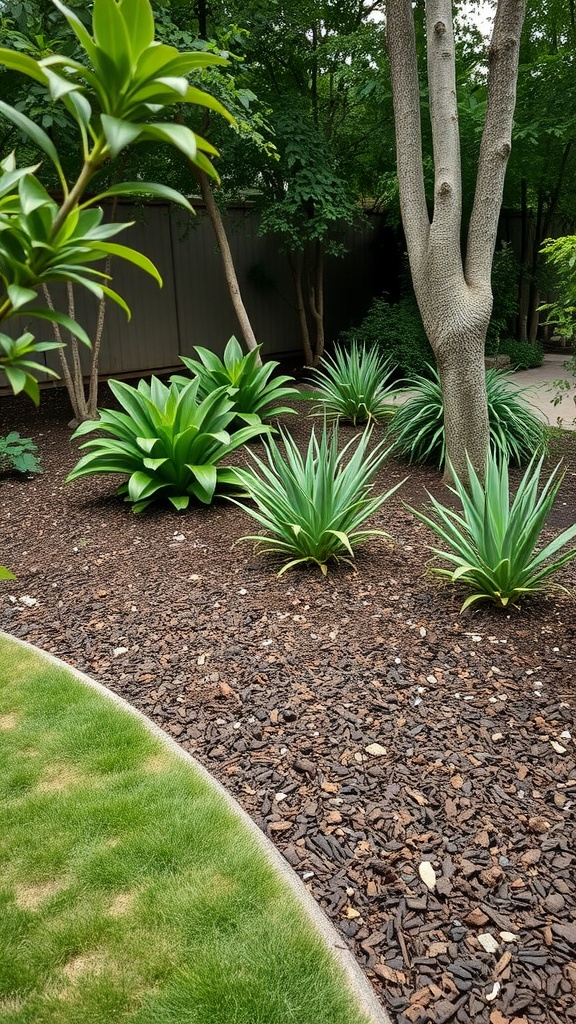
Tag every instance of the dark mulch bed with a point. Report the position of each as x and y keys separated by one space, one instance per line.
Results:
x=279 y=686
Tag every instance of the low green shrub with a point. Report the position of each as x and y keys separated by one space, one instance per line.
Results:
x=312 y=507
x=524 y=355
x=354 y=384
x=168 y=441
x=417 y=429
x=492 y=541
x=254 y=393
x=18 y=453
x=396 y=329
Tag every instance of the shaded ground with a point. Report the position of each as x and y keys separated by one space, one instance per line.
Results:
x=280 y=685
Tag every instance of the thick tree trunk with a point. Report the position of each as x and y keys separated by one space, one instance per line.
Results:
x=463 y=381
x=455 y=299
x=228 y=262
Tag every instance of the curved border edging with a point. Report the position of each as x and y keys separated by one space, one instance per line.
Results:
x=357 y=981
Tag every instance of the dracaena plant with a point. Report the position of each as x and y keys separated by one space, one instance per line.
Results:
x=492 y=540
x=313 y=507
x=116 y=96
x=168 y=441
x=254 y=391
x=354 y=384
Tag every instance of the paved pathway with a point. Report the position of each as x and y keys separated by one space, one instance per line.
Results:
x=542 y=391
x=540 y=381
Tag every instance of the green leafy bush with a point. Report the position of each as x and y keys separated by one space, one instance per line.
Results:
x=524 y=355
x=492 y=542
x=18 y=453
x=312 y=507
x=168 y=441
x=417 y=429
x=354 y=384
x=254 y=394
x=397 y=330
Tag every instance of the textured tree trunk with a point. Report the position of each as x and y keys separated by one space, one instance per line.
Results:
x=227 y=261
x=454 y=296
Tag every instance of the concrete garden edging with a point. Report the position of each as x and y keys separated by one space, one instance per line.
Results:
x=354 y=977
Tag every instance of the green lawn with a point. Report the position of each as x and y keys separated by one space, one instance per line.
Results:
x=128 y=890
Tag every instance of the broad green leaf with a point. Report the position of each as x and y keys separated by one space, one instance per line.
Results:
x=36 y=134
x=20 y=296
x=78 y=28
x=119 y=133
x=111 y=33
x=145 y=188
x=177 y=135
x=64 y=321
x=131 y=256
x=139 y=21
x=5 y=574
x=204 y=99
x=17 y=61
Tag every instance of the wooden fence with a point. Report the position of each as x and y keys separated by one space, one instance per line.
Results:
x=194 y=307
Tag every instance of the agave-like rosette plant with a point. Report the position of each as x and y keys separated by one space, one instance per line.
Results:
x=255 y=392
x=313 y=506
x=167 y=441
x=354 y=384
x=492 y=540
x=417 y=428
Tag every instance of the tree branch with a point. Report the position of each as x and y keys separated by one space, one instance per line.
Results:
x=406 y=96
x=496 y=140
x=444 y=119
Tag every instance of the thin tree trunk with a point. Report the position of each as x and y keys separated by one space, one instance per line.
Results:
x=316 y=301
x=521 y=329
x=296 y=266
x=228 y=262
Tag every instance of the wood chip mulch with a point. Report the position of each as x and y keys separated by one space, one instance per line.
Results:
x=367 y=726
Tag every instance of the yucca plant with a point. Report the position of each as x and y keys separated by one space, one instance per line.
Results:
x=492 y=540
x=354 y=384
x=417 y=429
x=312 y=507
x=254 y=393
x=167 y=441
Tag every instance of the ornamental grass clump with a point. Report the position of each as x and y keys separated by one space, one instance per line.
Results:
x=417 y=429
x=168 y=441
x=354 y=384
x=254 y=394
x=313 y=506
x=492 y=540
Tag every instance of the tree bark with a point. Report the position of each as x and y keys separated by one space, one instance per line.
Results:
x=228 y=262
x=296 y=261
x=454 y=298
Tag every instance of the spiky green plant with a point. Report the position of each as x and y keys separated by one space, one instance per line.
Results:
x=492 y=540
x=254 y=393
x=417 y=429
x=167 y=441
x=354 y=384
x=312 y=507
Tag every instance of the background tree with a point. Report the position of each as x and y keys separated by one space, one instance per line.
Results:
x=453 y=292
